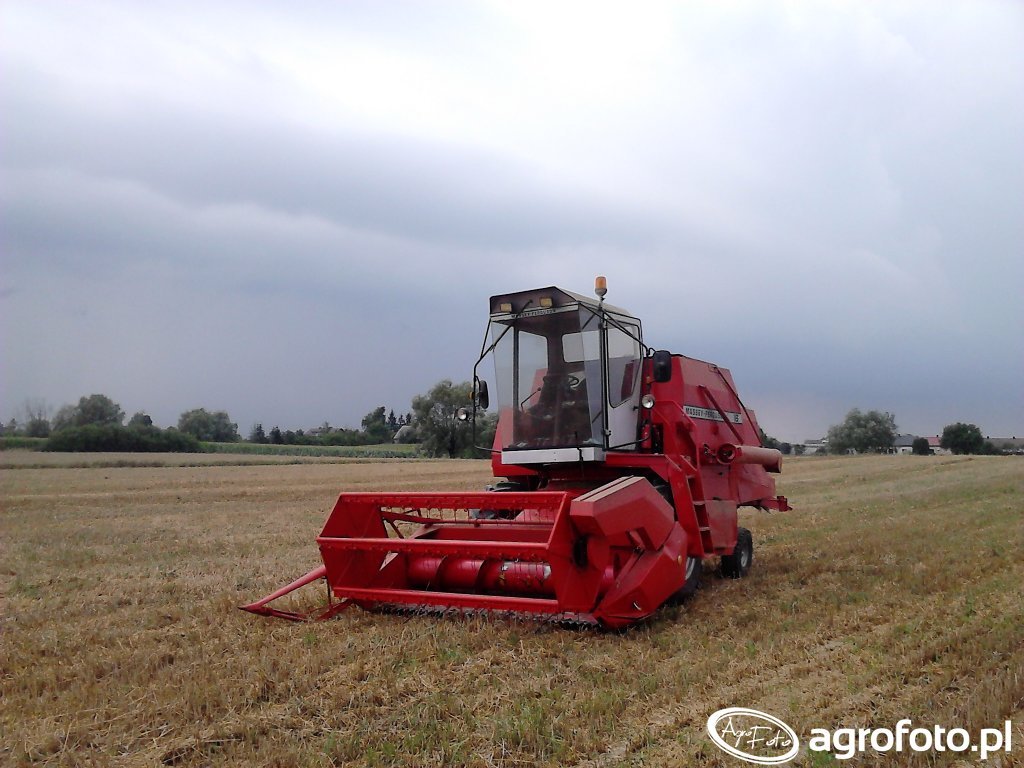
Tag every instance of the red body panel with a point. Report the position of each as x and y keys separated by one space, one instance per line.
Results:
x=699 y=439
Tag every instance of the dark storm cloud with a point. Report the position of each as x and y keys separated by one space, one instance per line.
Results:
x=398 y=185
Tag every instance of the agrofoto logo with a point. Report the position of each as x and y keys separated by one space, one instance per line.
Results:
x=764 y=739
x=754 y=736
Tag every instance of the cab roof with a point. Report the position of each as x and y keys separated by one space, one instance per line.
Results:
x=560 y=297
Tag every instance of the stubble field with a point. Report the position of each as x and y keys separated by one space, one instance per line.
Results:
x=894 y=589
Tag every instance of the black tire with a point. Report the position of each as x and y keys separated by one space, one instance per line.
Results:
x=694 y=565
x=510 y=486
x=507 y=486
x=737 y=565
x=694 y=570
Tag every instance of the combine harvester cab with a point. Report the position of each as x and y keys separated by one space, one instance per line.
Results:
x=624 y=470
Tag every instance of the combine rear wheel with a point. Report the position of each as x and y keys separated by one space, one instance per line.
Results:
x=737 y=565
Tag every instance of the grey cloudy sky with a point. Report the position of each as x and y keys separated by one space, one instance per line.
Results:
x=296 y=211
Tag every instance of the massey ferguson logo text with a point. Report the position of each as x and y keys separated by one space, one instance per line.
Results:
x=710 y=414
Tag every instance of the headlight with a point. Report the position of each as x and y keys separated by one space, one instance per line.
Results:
x=647 y=401
x=462 y=414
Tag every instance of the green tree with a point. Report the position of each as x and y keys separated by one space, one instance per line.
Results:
x=276 y=438
x=114 y=437
x=203 y=425
x=768 y=441
x=962 y=438
x=64 y=418
x=94 y=409
x=486 y=426
x=98 y=409
x=37 y=428
x=442 y=434
x=37 y=418
x=257 y=435
x=375 y=426
x=871 y=432
x=140 y=419
x=920 y=446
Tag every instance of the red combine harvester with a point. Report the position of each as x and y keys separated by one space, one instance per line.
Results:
x=623 y=466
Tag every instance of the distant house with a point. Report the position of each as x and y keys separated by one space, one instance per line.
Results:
x=903 y=444
x=815 y=446
x=1008 y=444
x=405 y=433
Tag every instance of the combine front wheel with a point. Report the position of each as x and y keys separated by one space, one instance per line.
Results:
x=694 y=565
x=510 y=486
x=694 y=569
x=737 y=565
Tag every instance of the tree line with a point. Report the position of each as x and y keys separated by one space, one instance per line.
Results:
x=97 y=423
x=378 y=426
x=876 y=432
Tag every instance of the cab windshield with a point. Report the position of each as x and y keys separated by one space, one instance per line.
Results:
x=548 y=376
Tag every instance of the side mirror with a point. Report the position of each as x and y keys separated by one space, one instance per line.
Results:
x=482 y=400
x=661 y=365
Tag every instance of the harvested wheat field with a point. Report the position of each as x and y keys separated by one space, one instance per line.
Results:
x=893 y=590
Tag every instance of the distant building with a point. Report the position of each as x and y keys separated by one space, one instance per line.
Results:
x=1008 y=444
x=405 y=432
x=903 y=444
x=812 y=447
